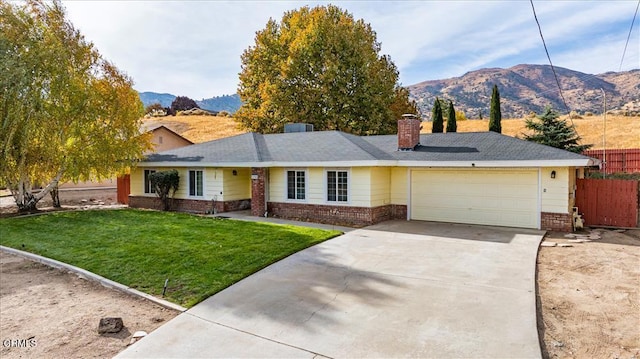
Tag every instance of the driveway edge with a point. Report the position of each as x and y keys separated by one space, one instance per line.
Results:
x=93 y=277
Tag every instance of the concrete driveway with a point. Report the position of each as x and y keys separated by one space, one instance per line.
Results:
x=397 y=289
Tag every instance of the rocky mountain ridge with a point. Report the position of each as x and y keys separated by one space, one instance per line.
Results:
x=530 y=88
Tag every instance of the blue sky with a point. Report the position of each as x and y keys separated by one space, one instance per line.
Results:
x=193 y=48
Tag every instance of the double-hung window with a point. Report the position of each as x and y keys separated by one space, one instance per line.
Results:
x=196 y=185
x=147 y=181
x=296 y=185
x=337 y=186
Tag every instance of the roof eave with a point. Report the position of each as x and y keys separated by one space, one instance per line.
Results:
x=586 y=162
x=510 y=163
x=365 y=163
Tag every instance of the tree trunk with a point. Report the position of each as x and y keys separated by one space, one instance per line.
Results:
x=28 y=204
x=55 y=198
x=26 y=200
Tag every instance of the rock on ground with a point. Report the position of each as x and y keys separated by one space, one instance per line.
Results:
x=58 y=312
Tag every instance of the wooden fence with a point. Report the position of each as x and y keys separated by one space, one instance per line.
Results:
x=617 y=160
x=124 y=188
x=608 y=202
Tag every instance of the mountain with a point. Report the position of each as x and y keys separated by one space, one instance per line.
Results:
x=164 y=99
x=529 y=88
x=229 y=103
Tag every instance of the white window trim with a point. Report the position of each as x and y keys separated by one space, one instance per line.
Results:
x=306 y=185
x=144 y=183
x=204 y=181
x=325 y=184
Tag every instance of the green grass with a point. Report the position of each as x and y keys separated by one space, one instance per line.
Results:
x=199 y=255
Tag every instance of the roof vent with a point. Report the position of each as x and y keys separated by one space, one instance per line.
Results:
x=298 y=127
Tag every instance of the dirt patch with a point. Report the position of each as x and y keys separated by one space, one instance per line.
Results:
x=91 y=198
x=50 y=313
x=589 y=296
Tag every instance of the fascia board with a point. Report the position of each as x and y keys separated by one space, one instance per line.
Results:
x=517 y=163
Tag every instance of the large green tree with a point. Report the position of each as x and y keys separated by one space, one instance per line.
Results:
x=437 y=125
x=67 y=114
x=321 y=66
x=495 y=115
x=548 y=129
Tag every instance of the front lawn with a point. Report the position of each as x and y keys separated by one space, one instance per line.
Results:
x=199 y=255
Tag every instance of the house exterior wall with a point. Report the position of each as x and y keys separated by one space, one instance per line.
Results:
x=369 y=197
x=368 y=186
x=229 y=192
x=164 y=140
x=555 y=192
x=235 y=187
x=380 y=186
x=398 y=186
x=359 y=187
x=375 y=194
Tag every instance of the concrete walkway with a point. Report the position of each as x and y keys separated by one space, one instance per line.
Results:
x=397 y=289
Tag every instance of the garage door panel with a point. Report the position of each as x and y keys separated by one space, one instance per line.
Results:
x=493 y=197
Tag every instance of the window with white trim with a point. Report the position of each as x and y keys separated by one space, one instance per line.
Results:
x=296 y=185
x=147 y=181
x=337 y=186
x=196 y=183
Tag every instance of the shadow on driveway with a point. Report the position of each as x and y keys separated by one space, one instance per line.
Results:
x=454 y=230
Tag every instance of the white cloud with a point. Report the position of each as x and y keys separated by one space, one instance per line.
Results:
x=193 y=48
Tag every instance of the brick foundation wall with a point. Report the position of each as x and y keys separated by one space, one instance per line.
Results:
x=562 y=222
x=189 y=205
x=337 y=215
x=398 y=211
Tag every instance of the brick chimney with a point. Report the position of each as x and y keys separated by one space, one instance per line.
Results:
x=408 y=132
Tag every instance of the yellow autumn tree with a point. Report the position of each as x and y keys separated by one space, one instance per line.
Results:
x=67 y=114
x=321 y=66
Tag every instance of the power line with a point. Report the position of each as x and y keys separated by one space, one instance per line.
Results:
x=629 y=36
x=549 y=57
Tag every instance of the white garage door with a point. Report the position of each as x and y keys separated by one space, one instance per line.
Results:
x=492 y=197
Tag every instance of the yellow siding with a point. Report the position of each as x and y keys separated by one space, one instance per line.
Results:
x=315 y=185
x=236 y=187
x=380 y=186
x=398 y=185
x=213 y=184
x=137 y=179
x=360 y=187
x=277 y=185
x=555 y=191
x=367 y=186
x=572 y=187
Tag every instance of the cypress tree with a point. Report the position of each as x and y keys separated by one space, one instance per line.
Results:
x=436 y=117
x=494 y=115
x=451 y=119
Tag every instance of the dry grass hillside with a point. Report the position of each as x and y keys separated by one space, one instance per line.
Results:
x=198 y=129
x=622 y=131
